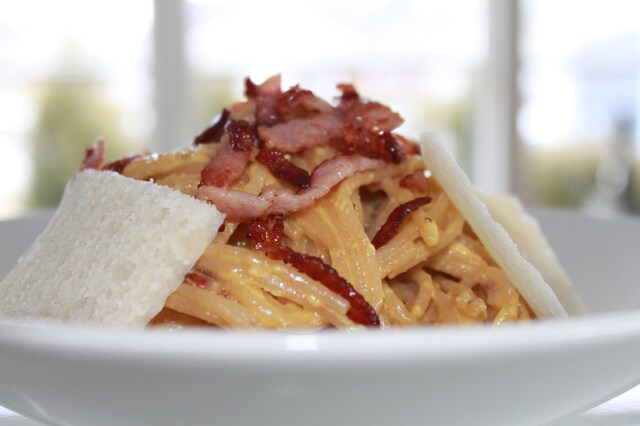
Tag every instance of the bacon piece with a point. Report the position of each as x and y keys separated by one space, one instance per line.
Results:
x=240 y=206
x=300 y=103
x=283 y=168
x=392 y=148
x=373 y=116
x=298 y=134
x=231 y=158
x=119 y=165
x=300 y=120
x=272 y=106
x=334 y=170
x=391 y=226
x=241 y=135
x=265 y=97
x=358 y=140
x=292 y=103
x=224 y=167
x=349 y=93
x=93 y=156
x=214 y=132
x=407 y=146
x=270 y=241
x=271 y=87
x=242 y=110
x=264 y=236
x=360 y=311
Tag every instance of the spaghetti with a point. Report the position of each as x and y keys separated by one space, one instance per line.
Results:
x=331 y=222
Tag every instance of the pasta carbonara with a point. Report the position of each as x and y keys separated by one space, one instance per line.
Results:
x=332 y=221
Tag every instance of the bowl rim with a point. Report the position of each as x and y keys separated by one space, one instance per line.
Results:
x=439 y=343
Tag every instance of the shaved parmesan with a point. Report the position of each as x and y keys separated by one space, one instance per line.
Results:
x=524 y=276
x=526 y=233
x=114 y=251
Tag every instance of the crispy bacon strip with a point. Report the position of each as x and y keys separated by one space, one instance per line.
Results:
x=240 y=206
x=93 y=156
x=299 y=134
x=225 y=167
x=391 y=226
x=270 y=241
x=214 y=132
x=231 y=158
x=357 y=140
x=349 y=93
x=283 y=168
x=265 y=97
x=299 y=103
x=373 y=116
x=271 y=87
x=392 y=147
x=241 y=135
x=299 y=120
x=407 y=146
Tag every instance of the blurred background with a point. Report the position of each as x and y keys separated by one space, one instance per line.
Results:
x=536 y=97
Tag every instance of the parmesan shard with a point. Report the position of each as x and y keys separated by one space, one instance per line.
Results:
x=524 y=276
x=115 y=249
x=526 y=233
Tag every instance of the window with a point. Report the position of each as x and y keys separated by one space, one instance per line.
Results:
x=69 y=73
x=534 y=96
x=580 y=82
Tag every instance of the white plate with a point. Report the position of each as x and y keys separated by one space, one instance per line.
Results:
x=515 y=374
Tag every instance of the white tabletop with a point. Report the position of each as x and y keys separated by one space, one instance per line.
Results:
x=623 y=410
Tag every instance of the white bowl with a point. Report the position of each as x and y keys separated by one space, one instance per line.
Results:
x=514 y=374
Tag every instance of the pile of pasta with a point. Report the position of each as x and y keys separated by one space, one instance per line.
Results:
x=434 y=271
x=332 y=220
